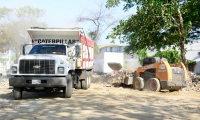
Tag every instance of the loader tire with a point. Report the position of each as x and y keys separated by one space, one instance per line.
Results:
x=138 y=83
x=154 y=84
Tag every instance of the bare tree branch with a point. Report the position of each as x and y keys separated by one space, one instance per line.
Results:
x=101 y=20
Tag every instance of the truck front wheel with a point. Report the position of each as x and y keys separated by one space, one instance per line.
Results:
x=17 y=93
x=67 y=91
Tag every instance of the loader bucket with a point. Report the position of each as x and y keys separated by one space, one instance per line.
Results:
x=115 y=66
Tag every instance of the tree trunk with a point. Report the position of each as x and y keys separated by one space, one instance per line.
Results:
x=182 y=37
x=182 y=49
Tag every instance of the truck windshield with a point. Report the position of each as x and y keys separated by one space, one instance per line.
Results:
x=49 y=49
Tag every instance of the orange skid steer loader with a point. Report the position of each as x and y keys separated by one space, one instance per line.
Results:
x=156 y=74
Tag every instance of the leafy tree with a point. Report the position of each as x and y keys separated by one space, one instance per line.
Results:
x=158 y=24
x=141 y=55
x=172 y=56
x=13 y=32
x=4 y=12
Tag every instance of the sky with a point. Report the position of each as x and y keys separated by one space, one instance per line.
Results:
x=63 y=13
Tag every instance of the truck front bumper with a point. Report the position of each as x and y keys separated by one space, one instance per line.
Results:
x=38 y=81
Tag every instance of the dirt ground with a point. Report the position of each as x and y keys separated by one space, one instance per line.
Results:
x=101 y=102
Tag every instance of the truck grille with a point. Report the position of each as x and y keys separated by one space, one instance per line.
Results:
x=37 y=67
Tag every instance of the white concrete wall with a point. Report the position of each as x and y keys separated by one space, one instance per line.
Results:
x=131 y=61
x=192 y=50
x=192 y=54
x=98 y=66
x=98 y=62
x=101 y=61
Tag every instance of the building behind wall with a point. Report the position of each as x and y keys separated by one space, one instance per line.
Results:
x=193 y=53
x=115 y=53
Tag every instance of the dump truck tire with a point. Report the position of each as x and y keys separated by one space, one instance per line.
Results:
x=85 y=82
x=154 y=84
x=67 y=91
x=138 y=83
x=78 y=85
x=89 y=78
x=17 y=93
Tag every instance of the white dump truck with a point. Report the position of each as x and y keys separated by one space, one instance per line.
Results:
x=58 y=59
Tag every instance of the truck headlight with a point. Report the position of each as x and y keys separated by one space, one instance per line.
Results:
x=14 y=69
x=61 y=70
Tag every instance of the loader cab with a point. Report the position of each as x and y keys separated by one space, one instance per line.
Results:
x=152 y=60
x=151 y=72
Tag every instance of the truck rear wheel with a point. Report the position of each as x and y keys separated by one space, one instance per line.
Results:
x=138 y=83
x=85 y=82
x=17 y=93
x=89 y=78
x=154 y=84
x=78 y=85
x=67 y=91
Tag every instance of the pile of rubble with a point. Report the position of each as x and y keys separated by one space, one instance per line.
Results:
x=112 y=79
x=193 y=83
x=106 y=79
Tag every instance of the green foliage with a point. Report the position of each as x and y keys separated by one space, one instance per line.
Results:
x=141 y=55
x=4 y=11
x=150 y=28
x=191 y=62
x=112 y=3
x=96 y=48
x=13 y=32
x=172 y=56
x=29 y=12
x=127 y=6
x=157 y=24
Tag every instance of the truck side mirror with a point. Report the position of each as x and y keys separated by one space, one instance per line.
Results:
x=23 y=50
x=77 y=47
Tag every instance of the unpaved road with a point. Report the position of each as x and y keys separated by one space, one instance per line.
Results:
x=101 y=103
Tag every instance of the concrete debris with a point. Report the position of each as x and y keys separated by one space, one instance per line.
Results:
x=112 y=79
x=107 y=85
x=193 y=83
